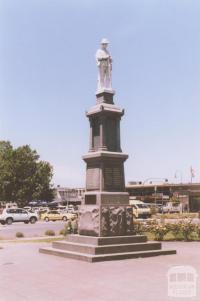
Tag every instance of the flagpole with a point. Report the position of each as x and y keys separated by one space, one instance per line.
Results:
x=192 y=173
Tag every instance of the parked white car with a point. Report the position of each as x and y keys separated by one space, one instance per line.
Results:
x=172 y=208
x=8 y=216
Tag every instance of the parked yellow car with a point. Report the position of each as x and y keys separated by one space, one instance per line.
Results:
x=54 y=215
x=140 y=209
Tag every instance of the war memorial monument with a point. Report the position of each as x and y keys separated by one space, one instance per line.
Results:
x=105 y=226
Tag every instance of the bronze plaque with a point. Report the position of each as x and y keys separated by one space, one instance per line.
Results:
x=113 y=178
x=90 y=199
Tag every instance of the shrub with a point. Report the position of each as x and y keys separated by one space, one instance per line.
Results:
x=151 y=223
x=142 y=227
x=67 y=229
x=177 y=215
x=197 y=230
x=74 y=226
x=50 y=233
x=71 y=226
x=187 y=228
x=176 y=230
x=19 y=235
x=138 y=227
x=183 y=230
x=159 y=231
x=62 y=232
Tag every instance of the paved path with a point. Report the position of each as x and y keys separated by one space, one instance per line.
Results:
x=27 y=275
x=30 y=230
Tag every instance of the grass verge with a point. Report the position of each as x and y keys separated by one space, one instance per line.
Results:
x=33 y=240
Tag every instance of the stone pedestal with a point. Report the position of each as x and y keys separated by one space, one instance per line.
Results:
x=105 y=210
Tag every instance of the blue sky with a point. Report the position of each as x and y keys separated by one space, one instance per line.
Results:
x=48 y=80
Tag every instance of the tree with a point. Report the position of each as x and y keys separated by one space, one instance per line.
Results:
x=23 y=177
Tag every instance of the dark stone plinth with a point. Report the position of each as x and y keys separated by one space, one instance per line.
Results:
x=105 y=210
x=105 y=96
x=105 y=220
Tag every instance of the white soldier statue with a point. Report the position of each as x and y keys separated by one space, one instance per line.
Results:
x=104 y=63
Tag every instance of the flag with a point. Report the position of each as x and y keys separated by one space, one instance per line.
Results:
x=192 y=172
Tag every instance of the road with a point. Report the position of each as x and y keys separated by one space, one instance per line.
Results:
x=30 y=230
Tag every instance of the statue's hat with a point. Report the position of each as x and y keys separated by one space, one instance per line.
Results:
x=104 y=41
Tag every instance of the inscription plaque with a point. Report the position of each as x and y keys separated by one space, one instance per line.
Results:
x=90 y=199
x=113 y=178
x=92 y=178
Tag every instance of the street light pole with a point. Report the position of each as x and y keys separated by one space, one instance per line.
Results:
x=155 y=190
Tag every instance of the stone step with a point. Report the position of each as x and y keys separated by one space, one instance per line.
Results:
x=105 y=249
x=104 y=257
x=106 y=240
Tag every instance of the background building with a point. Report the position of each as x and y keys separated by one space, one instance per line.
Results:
x=67 y=196
x=187 y=193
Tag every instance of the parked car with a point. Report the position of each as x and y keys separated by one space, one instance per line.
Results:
x=171 y=208
x=70 y=209
x=8 y=216
x=27 y=208
x=140 y=209
x=155 y=208
x=54 y=215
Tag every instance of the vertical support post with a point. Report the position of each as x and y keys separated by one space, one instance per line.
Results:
x=102 y=134
x=91 y=147
x=118 y=134
x=101 y=176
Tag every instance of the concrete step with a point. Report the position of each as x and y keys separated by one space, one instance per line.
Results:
x=105 y=249
x=91 y=240
x=104 y=257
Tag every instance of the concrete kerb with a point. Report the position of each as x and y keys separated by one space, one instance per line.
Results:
x=32 y=239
